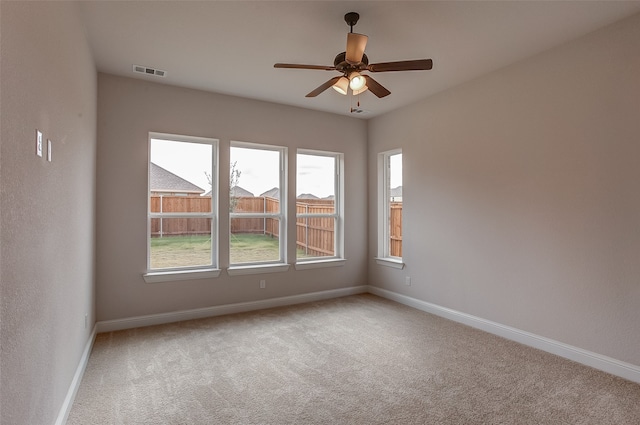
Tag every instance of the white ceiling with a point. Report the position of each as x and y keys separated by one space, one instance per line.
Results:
x=230 y=47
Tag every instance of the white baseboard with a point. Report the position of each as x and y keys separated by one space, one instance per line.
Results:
x=200 y=313
x=588 y=358
x=63 y=414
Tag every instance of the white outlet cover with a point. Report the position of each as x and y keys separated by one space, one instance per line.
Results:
x=48 y=150
x=38 y=143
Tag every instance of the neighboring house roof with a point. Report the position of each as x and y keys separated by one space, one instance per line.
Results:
x=396 y=191
x=162 y=180
x=307 y=196
x=239 y=192
x=272 y=193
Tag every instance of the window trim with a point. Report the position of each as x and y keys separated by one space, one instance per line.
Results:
x=338 y=215
x=384 y=229
x=170 y=276
x=281 y=216
x=186 y=272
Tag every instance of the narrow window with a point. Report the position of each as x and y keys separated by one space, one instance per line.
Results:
x=390 y=205
x=182 y=199
x=318 y=205
x=257 y=204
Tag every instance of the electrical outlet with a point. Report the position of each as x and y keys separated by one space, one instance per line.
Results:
x=407 y=280
x=263 y=283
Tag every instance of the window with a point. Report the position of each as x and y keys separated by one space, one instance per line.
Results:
x=182 y=226
x=257 y=205
x=390 y=206
x=318 y=206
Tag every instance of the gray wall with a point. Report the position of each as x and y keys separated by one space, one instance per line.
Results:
x=47 y=222
x=521 y=200
x=128 y=109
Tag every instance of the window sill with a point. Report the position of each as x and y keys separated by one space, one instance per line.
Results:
x=317 y=264
x=169 y=276
x=390 y=262
x=257 y=269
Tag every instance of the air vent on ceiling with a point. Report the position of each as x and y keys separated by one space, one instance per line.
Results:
x=149 y=71
x=359 y=111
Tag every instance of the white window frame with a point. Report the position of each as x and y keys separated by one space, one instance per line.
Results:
x=281 y=216
x=384 y=257
x=338 y=215
x=187 y=272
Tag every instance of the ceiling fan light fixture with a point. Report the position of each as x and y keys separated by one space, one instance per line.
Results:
x=353 y=60
x=357 y=81
x=341 y=86
x=362 y=90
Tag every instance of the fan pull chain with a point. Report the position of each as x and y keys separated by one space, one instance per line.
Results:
x=351 y=103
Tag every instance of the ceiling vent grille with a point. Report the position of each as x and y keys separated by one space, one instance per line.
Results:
x=149 y=71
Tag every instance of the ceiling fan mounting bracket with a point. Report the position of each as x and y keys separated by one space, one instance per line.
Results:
x=351 y=19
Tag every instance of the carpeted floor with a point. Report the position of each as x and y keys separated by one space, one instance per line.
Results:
x=353 y=360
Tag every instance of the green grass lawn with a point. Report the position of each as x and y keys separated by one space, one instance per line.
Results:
x=181 y=251
x=251 y=248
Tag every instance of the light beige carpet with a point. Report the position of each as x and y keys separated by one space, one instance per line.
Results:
x=353 y=360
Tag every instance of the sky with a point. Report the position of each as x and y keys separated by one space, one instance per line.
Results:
x=187 y=160
x=396 y=170
x=259 y=168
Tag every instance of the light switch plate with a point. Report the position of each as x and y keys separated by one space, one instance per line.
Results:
x=38 y=143
x=48 y=150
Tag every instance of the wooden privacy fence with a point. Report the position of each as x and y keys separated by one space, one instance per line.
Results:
x=315 y=236
x=395 y=229
x=171 y=226
x=245 y=204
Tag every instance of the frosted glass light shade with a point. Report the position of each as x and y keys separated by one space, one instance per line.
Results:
x=362 y=90
x=341 y=86
x=357 y=81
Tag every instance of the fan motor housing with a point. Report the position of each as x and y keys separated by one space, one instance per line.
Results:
x=341 y=64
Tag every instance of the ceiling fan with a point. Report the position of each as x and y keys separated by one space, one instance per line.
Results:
x=353 y=62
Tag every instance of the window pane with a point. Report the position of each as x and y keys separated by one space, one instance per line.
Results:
x=179 y=168
x=180 y=242
x=180 y=182
x=395 y=205
x=315 y=236
x=254 y=240
x=316 y=177
x=255 y=173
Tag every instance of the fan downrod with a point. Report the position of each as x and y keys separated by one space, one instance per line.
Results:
x=351 y=19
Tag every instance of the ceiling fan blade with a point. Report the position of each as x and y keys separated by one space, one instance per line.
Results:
x=355 y=47
x=299 y=66
x=376 y=88
x=412 y=65
x=323 y=87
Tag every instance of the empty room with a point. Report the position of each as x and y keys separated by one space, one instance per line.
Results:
x=319 y=212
